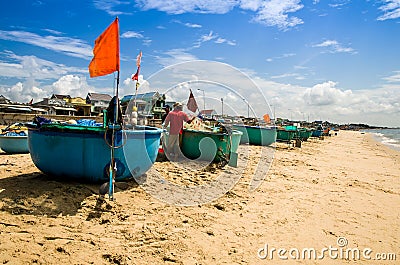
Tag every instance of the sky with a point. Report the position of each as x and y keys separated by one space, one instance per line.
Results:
x=335 y=60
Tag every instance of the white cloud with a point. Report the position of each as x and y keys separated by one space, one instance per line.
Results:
x=187 y=24
x=68 y=46
x=33 y=72
x=395 y=78
x=208 y=37
x=339 y=4
x=191 y=6
x=131 y=34
x=283 y=56
x=275 y=13
x=267 y=12
x=213 y=37
x=110 y=5
x=391 y=10
x=54 y=32
x=334 y=47
x=191 y=25
x=175 y=56
x=252 y=5
x=222 y=40
x=29 y=89
x=294 y=75
x=15 y=66
x=327 y=43
x=71 y=85
x=325 y=94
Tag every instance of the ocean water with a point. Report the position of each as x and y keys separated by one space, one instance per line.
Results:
x=389 y=137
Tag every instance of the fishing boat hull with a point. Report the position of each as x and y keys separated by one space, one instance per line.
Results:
x=304 y=134
x=204 y=145
x=317 y=133
x=77 y=153
x=14 y=144
x=256 y=135
x=284 y=135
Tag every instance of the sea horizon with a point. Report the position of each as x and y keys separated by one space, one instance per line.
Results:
x=389 y=137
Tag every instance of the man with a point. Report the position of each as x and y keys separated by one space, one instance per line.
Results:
x=175 y=120
x=167 y=109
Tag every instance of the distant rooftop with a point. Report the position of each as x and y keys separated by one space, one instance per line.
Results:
x=99 y=97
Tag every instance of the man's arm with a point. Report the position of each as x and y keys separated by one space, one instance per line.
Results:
x=166 y=121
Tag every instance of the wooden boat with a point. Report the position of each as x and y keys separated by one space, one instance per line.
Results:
x=204 y=145
x=75 y=152
x=256 y=135
x=14 y=139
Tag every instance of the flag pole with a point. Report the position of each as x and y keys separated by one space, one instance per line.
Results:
x=113 y=168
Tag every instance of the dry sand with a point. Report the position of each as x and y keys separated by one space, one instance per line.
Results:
x=344 y=186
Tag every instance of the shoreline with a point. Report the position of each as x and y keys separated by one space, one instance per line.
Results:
x=345 y=186
x=376 y=138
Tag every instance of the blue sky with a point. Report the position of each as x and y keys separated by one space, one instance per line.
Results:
x=330 y=60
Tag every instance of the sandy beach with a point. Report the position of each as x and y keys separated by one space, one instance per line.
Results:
x=340 y=193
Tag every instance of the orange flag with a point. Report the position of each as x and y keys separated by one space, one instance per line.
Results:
x=267 y=119
x=106 y=52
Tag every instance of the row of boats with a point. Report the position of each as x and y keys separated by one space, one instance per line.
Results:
x=82 y=151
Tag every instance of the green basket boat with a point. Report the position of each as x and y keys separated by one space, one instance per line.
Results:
x=204 y=145
x=256 y=135
x=287 y=133
x=304 y=133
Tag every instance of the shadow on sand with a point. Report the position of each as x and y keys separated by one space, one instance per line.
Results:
x=40 y=195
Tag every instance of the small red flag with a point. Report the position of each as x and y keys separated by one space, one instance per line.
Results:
x=192 y=104
x=136 y=76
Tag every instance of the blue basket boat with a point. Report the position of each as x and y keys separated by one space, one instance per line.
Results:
x=83 y=153
x=14 y=144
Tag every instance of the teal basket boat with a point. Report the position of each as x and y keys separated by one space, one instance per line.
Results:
x=287 y=133
x=304 y=133
x=204 y=145
x=83 y=153
x=14 y=144
x=256 y=135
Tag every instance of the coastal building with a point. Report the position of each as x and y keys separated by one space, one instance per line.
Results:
x=208 y=113
x=148 y=104
x=56 y=105
x=82 y=108
x=98 y=102
x=60 y=97
x=4 y=100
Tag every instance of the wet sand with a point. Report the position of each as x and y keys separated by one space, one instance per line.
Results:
x=344 y=188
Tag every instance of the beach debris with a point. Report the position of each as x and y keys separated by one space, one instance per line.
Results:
x=219 y=207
